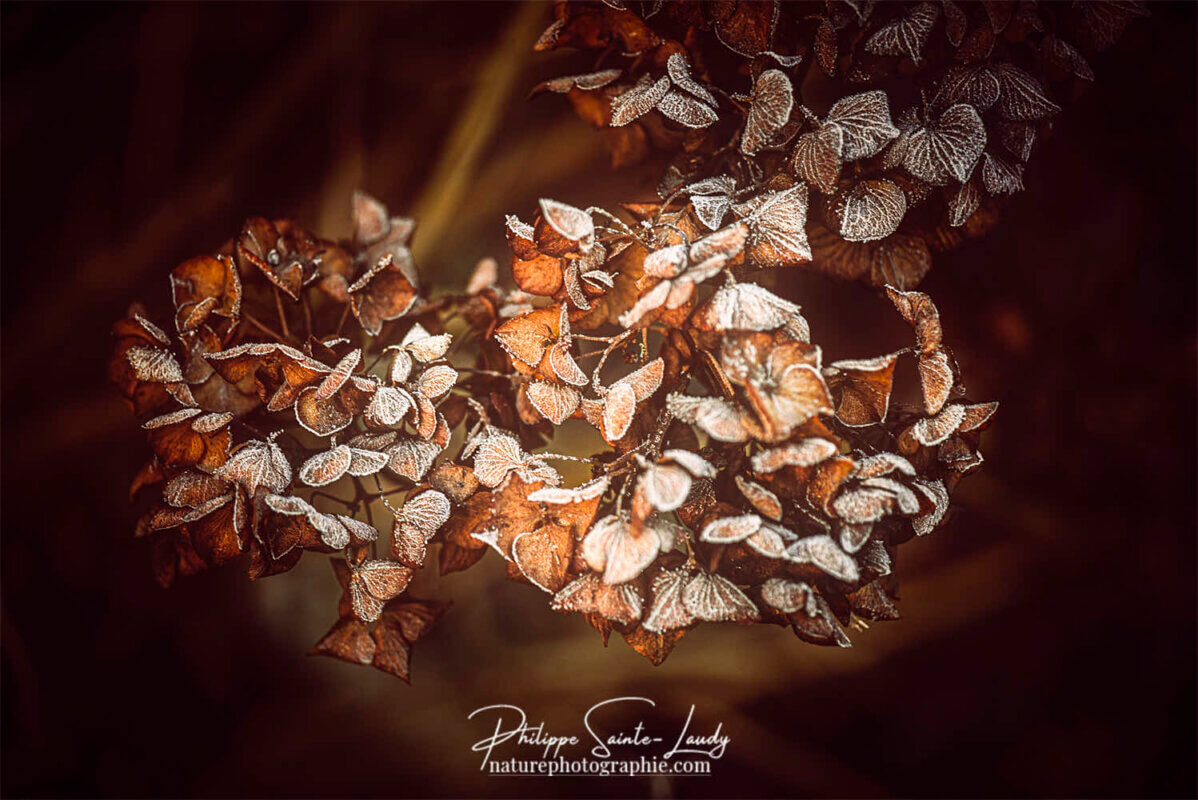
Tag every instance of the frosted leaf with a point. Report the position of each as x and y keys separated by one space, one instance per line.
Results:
x=401 y=365
x=686 y=110
x=825 y=554
x=947 y=149
x=934 y=491
x=789 y=596
x=555 y=402
x=718 y=418
x=366 y=462
x=666 y=262
x=863 y=505
x=668 y=611
x=192 y=489
x=572 y=223
x=429 y=348
x=865 y=121
x=388 y=406
x=693 y=463
x=172 y=418
x=322 y=418
x=918 y=310
x=638 y=100
x=257 y=463
x=711 y=209
x=881 y=464
x=871 y=210
x=619 y=405
x=957 y=456
x=1000 y=177
x=411 y=458
x=767 y=541
x=373 y=583
x=955 y=22
x=908 y=502
x=708 y=254
x=574 y=285
x=1017 y=137
x=777 y=229
x=935 y=379
x=557 y=496
x=524 y=339
x=713 y=598
x=644 y=381
x=548 y=38
x=436 y=381
x=977 y=416
x=373 y=441
x=905 y=36
x=875 y=558
x=611 y=547
x=152 y=329
x=1106 y=20
x=498 y=454
x=1066 y=57
x=426 y=417
x=934 y=430
x=543 y=557
x=340 y=374
x=371 y=222
x=727 y=530
x=154 y=365
x=761 y=498
x=679 y=70
x=804 y=453
x=564 y=366
x=212 y=422
x=490 y=537
x=207 y=507
x=588 y=82
x=817 y=157
x=324 y=468
x=769 y=110
x=745 y=306
x=332 y=532
x=864 y=389
x=963 y=203
x=974 y=85
x=1021 y=97
x=853 y=536
x=537 y=470
x=664 y=486
x=719 y=184
x=426 y=513
x=521 y=229
x=588 y=595
x=363 y=280
x=597 y=278
x=360 y=530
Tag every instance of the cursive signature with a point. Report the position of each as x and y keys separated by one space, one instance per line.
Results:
x=512 y=725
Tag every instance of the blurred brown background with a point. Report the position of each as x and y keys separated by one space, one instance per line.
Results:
x=1048 y=644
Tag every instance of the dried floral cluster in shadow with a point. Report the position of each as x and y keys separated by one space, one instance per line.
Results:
x=743 y=478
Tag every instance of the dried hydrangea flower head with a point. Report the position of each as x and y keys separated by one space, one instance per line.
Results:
x=305 y=393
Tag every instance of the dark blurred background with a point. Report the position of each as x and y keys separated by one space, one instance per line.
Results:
x=1048 y=640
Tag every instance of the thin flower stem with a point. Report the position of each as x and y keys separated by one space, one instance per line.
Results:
x=607 y=352
x=269 y=331
x=341 y=322
x=282 y=314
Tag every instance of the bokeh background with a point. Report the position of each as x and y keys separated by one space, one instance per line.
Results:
x=1048 y=640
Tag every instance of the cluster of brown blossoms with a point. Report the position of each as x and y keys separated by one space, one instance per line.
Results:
x=901 y=126
x=309 y=394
